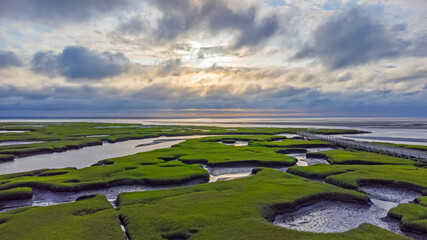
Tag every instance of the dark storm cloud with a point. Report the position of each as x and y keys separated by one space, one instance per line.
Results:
x=9 y=59
x=183 y=17
x=351 y=38
x=56 y=11
x=80 y=62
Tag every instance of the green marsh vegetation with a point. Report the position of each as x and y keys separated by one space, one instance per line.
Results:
x=340 y=156
x=58 y=137
x=92 y=218
x=236 y=209
x=352 y=176
x=153 y=167
x=413 y=217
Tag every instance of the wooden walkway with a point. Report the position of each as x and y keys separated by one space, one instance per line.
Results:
x=394 y=151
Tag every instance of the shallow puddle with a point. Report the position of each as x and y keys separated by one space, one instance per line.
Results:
x=93 y=136
x=226 y=177
x=237 y=143
x=303 y=161
x=288 y=135
x=228 y=173
x=319 y=149
x=13 y=131
x=9 y=143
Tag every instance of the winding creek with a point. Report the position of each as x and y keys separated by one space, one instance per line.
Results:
x=87 y=156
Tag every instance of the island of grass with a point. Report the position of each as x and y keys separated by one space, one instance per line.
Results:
x=56 y=137
x=158 y=167
x=294 y=143
x=339 y=156
x=236 y=209
x=353 y=176
x=422 y=201
x=412 y=217
x=409 y=146
x=92 y=218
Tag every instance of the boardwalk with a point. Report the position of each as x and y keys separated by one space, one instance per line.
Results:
x=370 y=147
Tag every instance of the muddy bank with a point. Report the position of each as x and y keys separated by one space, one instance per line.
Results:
x=328 y=216
x=46 y=197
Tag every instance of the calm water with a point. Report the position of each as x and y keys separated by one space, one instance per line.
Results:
x=393 y=130
x=89 y=155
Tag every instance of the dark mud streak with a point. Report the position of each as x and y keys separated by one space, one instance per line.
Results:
x=124 y=223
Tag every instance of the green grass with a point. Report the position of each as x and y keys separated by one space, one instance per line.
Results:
x=65 y=136
x=207 y=150
x=87 y=219
x=422 y=201
x=121 y=173
x=16 y=194
x=351 y=176
x=410 y=146
x=236 y=209
x=293 y=143
x=339 y=156
x=413 y=217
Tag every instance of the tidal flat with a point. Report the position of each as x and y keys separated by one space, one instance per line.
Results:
x=196 y=182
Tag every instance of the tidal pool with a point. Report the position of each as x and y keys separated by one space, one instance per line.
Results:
x=237 y=143
x=328 y=216
x=93 y=136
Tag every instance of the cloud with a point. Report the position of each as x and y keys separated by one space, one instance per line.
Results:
x=9 y=59
x=180 y=18
x=351 y=38
x=54 y=12
x=79 y=62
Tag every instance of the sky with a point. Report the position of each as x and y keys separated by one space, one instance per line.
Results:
x=219 y=58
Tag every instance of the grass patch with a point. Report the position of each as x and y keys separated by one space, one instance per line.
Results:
x=209 y=151
x=410 y=146
x=352 y=176
x=422 y=201
x=413 y=217
x=87 y=219
x=339 y=156
x=236 y=209
x=16 y=194
x=293 y=143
